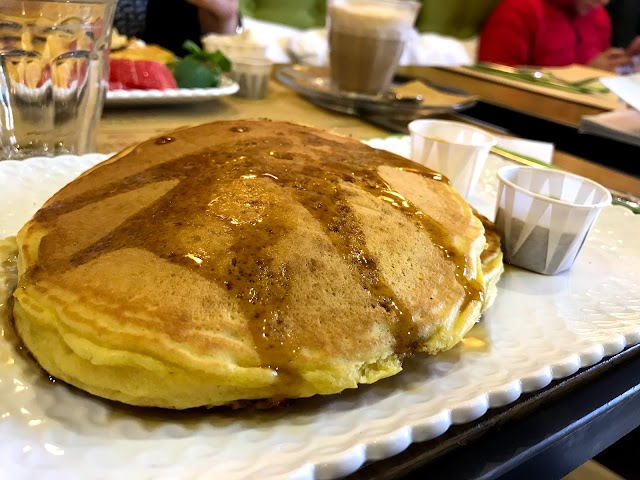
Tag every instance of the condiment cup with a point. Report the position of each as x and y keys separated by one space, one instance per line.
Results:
x=455 y=149
x=544 y=216
x=253 y=75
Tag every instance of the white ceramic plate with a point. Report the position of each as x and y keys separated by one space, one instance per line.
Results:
x=167 y=97
x=539 y=328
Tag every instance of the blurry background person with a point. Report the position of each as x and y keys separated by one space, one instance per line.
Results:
x=551 y=33
x=170 y=22
x=130 y=17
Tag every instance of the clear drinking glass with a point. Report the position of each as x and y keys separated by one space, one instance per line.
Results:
x=53 y=75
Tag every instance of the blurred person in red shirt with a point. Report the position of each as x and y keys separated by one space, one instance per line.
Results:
x=552 y=33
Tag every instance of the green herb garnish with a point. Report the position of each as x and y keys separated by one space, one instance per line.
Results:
x=199 y=69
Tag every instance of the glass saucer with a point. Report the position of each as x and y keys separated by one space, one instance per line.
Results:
x=315 y=85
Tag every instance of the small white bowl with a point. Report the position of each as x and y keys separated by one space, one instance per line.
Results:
x=544 y=216
x=455 y=149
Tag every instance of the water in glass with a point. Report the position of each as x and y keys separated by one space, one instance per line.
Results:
x=53 y=75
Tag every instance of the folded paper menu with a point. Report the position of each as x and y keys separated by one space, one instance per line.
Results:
x=431 y=97
x=620 y=125
x=578 y=73
x=626 y=87
x=571 y=73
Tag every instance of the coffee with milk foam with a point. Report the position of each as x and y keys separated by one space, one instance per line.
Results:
x=366 y=42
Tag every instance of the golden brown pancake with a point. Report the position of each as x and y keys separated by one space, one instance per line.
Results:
x=491 y=258
x=244 y=260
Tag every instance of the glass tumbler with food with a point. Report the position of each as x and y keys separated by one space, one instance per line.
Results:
x=53 y=75
x=135 y=65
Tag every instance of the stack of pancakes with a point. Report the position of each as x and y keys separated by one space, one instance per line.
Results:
x=245 y=260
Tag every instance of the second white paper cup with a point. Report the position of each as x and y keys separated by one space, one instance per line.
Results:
x=455 y=149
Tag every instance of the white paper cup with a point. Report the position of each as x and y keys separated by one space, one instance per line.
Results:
x=544 y=216
x=455 y=149
x=252 y=75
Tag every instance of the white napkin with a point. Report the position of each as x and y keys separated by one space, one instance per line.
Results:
x=542 y=151
x=428 y=49
x=431 y=49
x=309 y=47
x=626 y=87
x=274 y=35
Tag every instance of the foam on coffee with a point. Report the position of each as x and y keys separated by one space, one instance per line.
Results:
x=371 y=20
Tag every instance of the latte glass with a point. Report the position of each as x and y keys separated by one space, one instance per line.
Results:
x=366 y=40
x=53 y=75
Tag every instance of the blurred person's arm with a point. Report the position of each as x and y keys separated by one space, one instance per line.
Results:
x=509 y=33
x=610 y=59
x=171 y=22
x=217 y=16
x=634 y=47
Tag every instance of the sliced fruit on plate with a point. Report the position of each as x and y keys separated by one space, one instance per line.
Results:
x=145 y=52
x=127 y=74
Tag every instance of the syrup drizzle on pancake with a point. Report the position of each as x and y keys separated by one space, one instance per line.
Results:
x=164 y=140
x=261 y=284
